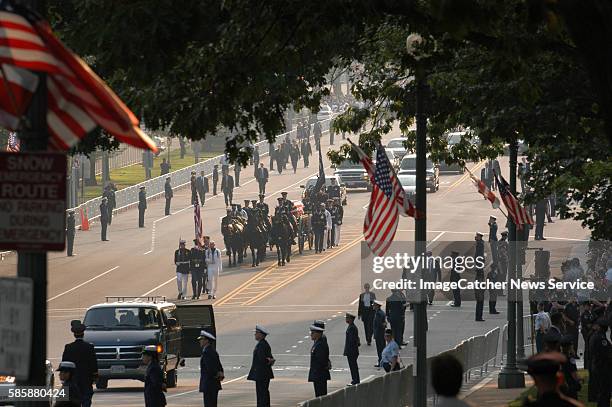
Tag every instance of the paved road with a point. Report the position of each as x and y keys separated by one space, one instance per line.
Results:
x=284 y=299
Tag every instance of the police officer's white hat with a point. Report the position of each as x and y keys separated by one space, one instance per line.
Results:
x=493 y=217
x=142 y=187
x=182 y=241
x=314 y=328
x=479 y=233
x=376 y=302
x=206 y=335
x=66 y=366
x=259 y=328
x=349 y=315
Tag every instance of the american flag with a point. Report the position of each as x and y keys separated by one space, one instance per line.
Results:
x=13 y=143
x=18 y=85
x=197 y=220
x=78 y=100
x=386 y=202
x=519 y=215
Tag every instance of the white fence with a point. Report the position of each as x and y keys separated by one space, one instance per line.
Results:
x=128 y=197
x=396 y=389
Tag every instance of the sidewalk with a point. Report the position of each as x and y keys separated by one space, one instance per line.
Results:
x=486 y=393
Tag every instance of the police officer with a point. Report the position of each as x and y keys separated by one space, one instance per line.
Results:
x=67 y=372
x=211 y=370
x=168 y=194
x=600 y=369
x=227 y=187
x=396 y=313
x=197 y=267
x=154 y=386
x=109 y=194
x=182 y=262
x=280 y=208
x=83 y=355
x=351 y=347
x=332 y=209
x=202 y=184
x=142 y=206
x=261 y=368
x=540 y=216
x=379 y=326
x=70 y=233
x=544 y=367
x=103 y=218
x=215 y=178
x=319 y=224
x=455 y=276
x=493 y=238
x=479 y=294
x=502 y=256
x=237 y=169
x=318 y=374
x=492 y=277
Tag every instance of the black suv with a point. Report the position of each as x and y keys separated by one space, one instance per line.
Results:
x=122 y=326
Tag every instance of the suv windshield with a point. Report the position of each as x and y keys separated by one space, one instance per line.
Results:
x=409 y=163
x=313 y=181
x=122 y=318
x=349 y=165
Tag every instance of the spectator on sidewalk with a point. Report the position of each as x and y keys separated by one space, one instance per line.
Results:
x=446 y=379
x=365 y=311
x=389 y=359
x=542 y=325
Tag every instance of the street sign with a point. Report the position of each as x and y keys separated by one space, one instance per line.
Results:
x=16 y=331
x=32 y=201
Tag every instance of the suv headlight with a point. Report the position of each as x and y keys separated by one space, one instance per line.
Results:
x=7 y=379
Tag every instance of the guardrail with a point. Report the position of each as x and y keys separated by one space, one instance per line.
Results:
x=395 y=389
x=128 y=197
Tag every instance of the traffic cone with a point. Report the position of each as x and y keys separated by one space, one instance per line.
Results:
x=84 y=219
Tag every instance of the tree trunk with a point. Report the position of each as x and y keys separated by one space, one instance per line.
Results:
x=92 y=170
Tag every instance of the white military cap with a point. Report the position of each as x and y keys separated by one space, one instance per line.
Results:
x=493 y=217
x=480 y=233
x=207 y=335
x=316 y=328
x=378 y=303
x=259 y=328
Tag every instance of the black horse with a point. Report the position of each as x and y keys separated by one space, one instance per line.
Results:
x=281 y=237
x=256 y=237
x=234 y=238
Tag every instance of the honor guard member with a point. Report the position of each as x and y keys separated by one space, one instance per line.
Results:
x=365 y=311
x=338 y=220
x=70 y=233
x=319 y=224
x=215 y=178
x=67 y=372
x=263 y=205
x=254 y=207
x=246 y=208
x=214 y=267
x=492 y=276
x=328 y=224
x=333 y=191
x=318 y=374
x=211 y=370
x=83 y=355
x=109 y=194
x=142 y=206
x=237 y=169
x=544 y=368
x=194 y=188
x=493 y=238
x=182 y=262
x=455 y=276
x=202 y=186
x=197 y=267
x=154 y=385
x=242 y=213
x=396 y=313
x=280 y=208
x=332 y=209
x=479 y=294
x=168 y=194
x=379 y=327
x=103 y=218
x=227 y=187
x=351 y=347
x=600 y=353
x=261 y=368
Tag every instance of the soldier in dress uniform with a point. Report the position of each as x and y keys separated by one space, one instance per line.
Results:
x=479 y=252
x=202 y=184
x=214 y=267
x=263 y=205
x=83 y=355
x=338 y=220
x=194 y=188
x=246 y=208
x=182 y=262
x=103 y=218
x=318 y=374
x=67 y=373
x=215 y=178
x=261 y=368
x=332 y=209
x=70 y=233
x=168 y=194
x=319 y=224
x=493 y=238
x=600 y=368
x=379 y=327
x=109 y=194
x=211 y=370
x=334 y=189
x=351 y=347
x=197 y=267
x=154 y=386
x=142 y=206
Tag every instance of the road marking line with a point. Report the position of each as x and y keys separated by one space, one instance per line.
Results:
x=463 y=178
x=197 y=389
x=82 y=284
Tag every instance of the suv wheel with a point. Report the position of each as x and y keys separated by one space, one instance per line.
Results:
x=101 y=384
x=171 y=378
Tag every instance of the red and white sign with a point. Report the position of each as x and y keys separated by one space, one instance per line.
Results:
x=32 y=201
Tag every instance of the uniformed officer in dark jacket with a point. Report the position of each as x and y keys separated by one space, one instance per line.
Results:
x=261 y=368
x=168 y=194
x=379 y=326
x=493 y=238
x=544 y=367
x=83 y=355
x=197 y=267
x=431 y=273
x=70 y=232
x=67 y=371
x=103 y=218
x=211 y=370
x=215 y=178
x=109 y=194
x=600 y=369
x=318 y=374
x=202 y=185
x=396 y=313
x=479 y=252
x=154 y=385
x=351 y=347
x=540 y=216
x=334 y=189
x=263 y=205
x=262 y=175
x=319 y=223
x=142 y=206
x=227 y=187
x=455 y=276
x=492 y=276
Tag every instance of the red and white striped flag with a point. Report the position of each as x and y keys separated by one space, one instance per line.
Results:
x=13 y=145
x=197 y=220
x=18 y=85
x=298 y=209
x=78 y=100
x=386 y=202
x=484 y=191
x=519 y=214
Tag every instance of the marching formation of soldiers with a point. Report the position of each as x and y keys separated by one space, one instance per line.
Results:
x=203 y=263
